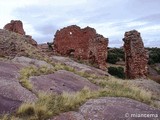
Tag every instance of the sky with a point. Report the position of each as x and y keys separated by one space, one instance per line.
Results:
x=111 y=18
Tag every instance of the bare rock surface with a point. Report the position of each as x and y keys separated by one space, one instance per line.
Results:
x=78 y=66
x=69 y=116
x=11 y=90
x=8 y=105
x=47 y=48
x=111 y=108
x=25 y=61
x=153 y=72
x=147 y=85
x=61 y=81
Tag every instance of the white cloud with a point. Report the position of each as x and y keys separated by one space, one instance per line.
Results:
x=41 y=18
x=150 y=29
x=73 y=21
x=8 y=6
x=136 y=23
x=30 y=30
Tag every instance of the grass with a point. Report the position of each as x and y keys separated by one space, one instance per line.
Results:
x=49 y=105
x=18 y=46
x=29 y=71
x=8 y=117
x=120 y=90
x=85 y=62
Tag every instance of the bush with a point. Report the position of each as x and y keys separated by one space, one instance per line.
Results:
x=117 y=72
x=154 y=58
x=154 y=55
x=112 y=58
x=115 y=55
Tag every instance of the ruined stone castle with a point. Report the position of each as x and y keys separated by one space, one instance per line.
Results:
x=136 y=57
x=82 y=44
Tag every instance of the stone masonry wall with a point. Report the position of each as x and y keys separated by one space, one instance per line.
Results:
x=136 y=56
x=82 y=44
x=15 y=26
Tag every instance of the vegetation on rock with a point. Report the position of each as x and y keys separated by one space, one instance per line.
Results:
x=49 y=105
x=29 y=71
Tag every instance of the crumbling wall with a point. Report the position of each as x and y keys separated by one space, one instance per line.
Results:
x=83 y=44
x=98 y=51
x=15 y=26
x=136 y=57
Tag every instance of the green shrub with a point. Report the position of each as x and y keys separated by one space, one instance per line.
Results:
x=117 y=72
x=154 y=55
x=112 y=58
x=115 y=55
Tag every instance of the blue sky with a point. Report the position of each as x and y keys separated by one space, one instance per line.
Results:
x=111 y=18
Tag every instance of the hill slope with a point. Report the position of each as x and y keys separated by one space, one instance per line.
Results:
x=31 y=88
x=13 y=44
x=62 y=89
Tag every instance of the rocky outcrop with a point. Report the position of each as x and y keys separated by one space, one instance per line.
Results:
x=82 y=44
x=78 y=66
x=25 y=61
x=136 y=56
x=148 y=85
x=61 y=81
x=111 y=108
x=153 y=72
x=8 y=105
x=30 y=40
x=47 y=48
x=12 y=94
x=13 y=44
x=15 y=26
